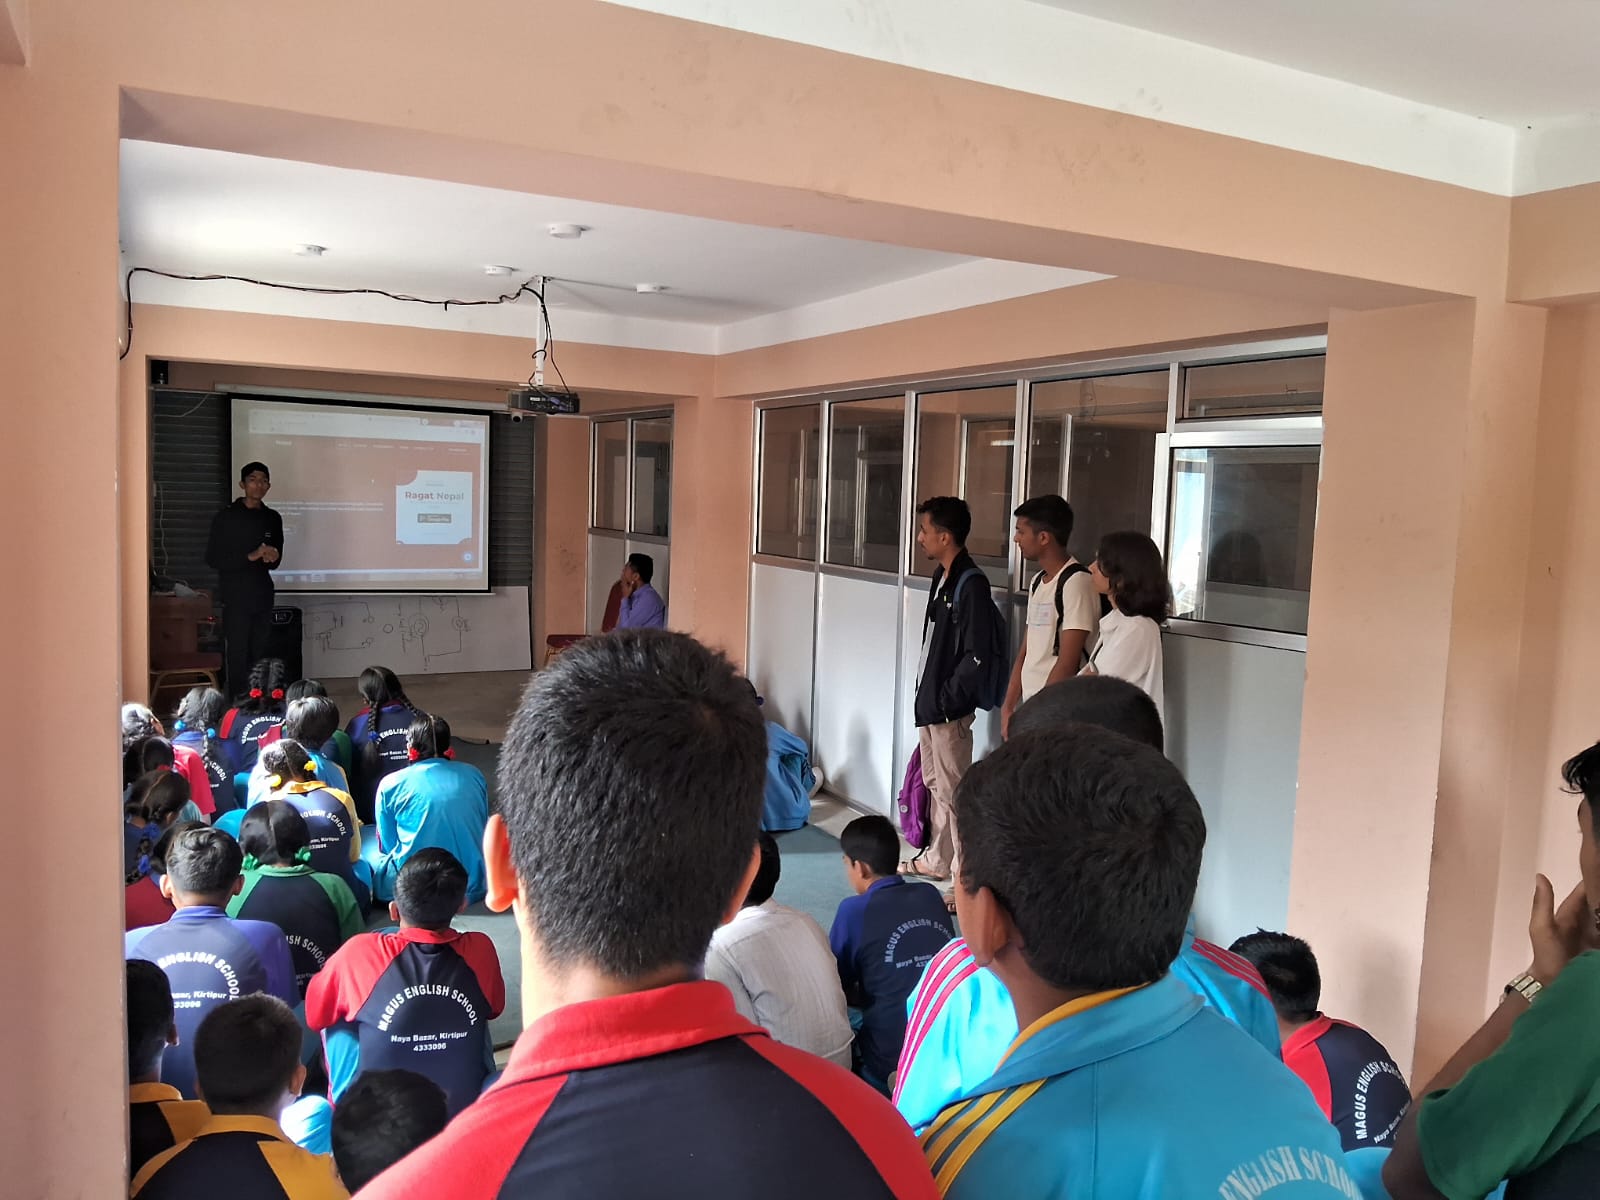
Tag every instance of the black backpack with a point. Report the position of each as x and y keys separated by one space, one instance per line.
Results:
x=993 y=652
x=1072 y=569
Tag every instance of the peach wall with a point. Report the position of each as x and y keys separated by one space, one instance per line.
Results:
x=1093 y=320
x=59 y=461
x=847 y=145
x=713 y=454
x=1381 y=588
x=1483 y=846
x=561 y=529
x=1562 y=639
x=1555 y=253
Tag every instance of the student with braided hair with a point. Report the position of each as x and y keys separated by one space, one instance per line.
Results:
x=330 y=814
x=154 y=804
x=316 y=911
x=140 y=729
x=432 y=802
x=259 y=709
x=195 y=729
x=378 y=734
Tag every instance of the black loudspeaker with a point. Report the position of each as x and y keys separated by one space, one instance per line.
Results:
x=283 y=641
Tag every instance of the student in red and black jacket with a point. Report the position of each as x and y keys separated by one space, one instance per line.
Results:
x=629 y=802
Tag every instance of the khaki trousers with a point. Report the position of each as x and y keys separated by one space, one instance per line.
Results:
x=946 y=755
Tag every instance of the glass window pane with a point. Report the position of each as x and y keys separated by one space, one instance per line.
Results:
x=610 y=474
x=652 y=476
x=865 y=460
x=1109 y=426
x=791 y=443
x=965 y=442
x=1243 y=523
x=1273 y=387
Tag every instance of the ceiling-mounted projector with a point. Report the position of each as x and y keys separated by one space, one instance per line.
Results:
x=550 y=402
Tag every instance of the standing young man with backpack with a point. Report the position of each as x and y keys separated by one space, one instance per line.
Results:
x=1063 y=607
x=963 y=668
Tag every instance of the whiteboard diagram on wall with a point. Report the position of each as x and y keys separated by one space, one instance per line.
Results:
x=426 y=635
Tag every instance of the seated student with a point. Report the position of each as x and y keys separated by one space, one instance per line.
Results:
x=882 y=938
x=261 y=708
x=378 y=735
x=1519 y=1100
x=146 y=758
x=196 y=729
x=961 y=1017
x=336 y=748
x=153 y=752
x=247 y=1061
x=316 y=911
x=1080 y=855
x=208 y=957
x=312 y=721
x=1356 y=1082
x=435 y=801
x=383 y=1117
x=633 y=1076
x=155 y=804
x=791 y=782
x=420 y=998
x=642 y=606
x=291 y=774
x=158 y=1117
x=776 y=962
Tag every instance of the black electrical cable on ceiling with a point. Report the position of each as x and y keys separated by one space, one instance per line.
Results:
x=523 y=289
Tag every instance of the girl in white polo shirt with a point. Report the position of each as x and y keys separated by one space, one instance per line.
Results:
x=1128 y=569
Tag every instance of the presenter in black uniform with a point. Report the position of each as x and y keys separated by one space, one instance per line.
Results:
x=245 y=547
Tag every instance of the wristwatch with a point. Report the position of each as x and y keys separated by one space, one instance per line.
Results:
x=1525 y=986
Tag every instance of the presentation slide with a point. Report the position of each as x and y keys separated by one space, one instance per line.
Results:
x=373 y=499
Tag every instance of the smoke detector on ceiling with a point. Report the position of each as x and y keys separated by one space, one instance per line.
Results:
x=566 y=230
x=310 y=250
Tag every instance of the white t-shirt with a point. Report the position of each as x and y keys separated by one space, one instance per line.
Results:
x=783 y=976
x=1080 y=609
x=1130 y=648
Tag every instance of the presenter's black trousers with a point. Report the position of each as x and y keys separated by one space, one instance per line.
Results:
x=246 y=631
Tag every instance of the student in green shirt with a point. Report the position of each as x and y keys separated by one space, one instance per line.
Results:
x=1520 y=1101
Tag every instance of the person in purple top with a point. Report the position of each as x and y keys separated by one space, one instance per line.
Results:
x=208 y=957
x=642 y=605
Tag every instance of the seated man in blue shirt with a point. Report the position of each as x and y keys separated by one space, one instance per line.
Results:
x=642 y=605
x=1080 y=855
x=209 y=957
x=883 y=937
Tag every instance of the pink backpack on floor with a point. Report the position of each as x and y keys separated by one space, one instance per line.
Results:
x=914 y=802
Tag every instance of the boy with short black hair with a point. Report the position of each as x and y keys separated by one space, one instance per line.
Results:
x=882 y=938
x=158 y=1115
x=382 y=1118
x=247 y=1065
x=1063 y=609
x=209 y=957
x=776 y=962
x=420 y=998
x=628 y=804
x=1356 y=1082
x=1081 y=853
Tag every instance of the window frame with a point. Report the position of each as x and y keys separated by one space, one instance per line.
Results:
x=629 y=420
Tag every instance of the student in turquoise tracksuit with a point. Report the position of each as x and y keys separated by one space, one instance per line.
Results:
x=1080 y=854
x=961 y=1022
x=435 y=801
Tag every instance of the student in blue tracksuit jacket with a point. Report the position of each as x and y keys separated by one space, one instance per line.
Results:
x=252 y=715
x=196 y=727
x=208 y=957
x=1080 y=854
x=790 y=779
x=435 y=802
x=883 y=937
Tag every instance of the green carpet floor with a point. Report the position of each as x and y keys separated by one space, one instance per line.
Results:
x=812 y=881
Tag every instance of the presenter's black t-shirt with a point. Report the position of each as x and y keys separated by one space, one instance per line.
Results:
x=236 y=532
